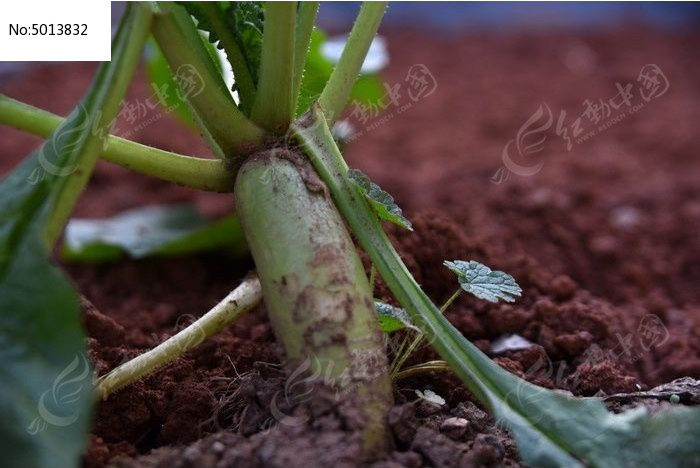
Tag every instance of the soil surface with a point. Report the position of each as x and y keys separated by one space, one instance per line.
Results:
x=603 y=240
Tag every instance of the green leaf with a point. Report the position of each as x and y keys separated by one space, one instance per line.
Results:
x=156 y=230
x=392 y=318
x=368 y=89
x=669 y=438
x=243 y=20
x=382 y=203
x=237 y=28
x=247 y=22
x=479 y=280
x=46 y=390
x=551 y=429
x=45 y=414
x=558 y=430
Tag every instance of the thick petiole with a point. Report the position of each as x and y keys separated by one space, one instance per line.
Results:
x=199 y=173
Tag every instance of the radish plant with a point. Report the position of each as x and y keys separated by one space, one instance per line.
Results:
x=298 y=204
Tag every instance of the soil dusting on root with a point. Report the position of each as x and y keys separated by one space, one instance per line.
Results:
x=603 y=240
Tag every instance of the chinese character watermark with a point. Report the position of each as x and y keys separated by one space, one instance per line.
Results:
x=419 y=83
x=60 y=405
x=520 y=155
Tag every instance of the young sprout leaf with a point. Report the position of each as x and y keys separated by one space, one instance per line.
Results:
x=382 y=203
x=154 y=230
x=479 y=280
x=430 y=396
x=392 y=318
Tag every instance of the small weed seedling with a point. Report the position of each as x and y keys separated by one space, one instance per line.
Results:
x=294 y=197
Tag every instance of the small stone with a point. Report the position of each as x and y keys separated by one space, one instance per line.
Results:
x=454 y=428
x=509 y=343
x=218 y=447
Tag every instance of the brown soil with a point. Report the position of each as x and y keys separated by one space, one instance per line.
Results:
x=604 y=238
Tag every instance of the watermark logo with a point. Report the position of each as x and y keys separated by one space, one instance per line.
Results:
x=195 y=335
x=521 y=157
x=654 y=82
x=266 y=175
x=59 y=406
x=138 y=113
x=533 y=129
x=651 y=333
x=301 y=385
x=419 y=83
x=298 y=389
x=189 y=82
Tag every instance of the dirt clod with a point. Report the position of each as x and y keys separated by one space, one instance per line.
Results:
x=436 y=449
x=402 y=422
